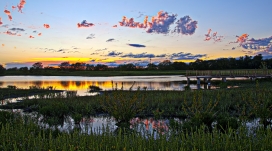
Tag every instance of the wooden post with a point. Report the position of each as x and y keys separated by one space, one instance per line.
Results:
x=205 y=83
x=198 y=83
x=188 y=81
x=198 y=80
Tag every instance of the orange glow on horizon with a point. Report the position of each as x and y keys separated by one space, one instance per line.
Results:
x=63 y=59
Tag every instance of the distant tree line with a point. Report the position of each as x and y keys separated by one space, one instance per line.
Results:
x=243 y=62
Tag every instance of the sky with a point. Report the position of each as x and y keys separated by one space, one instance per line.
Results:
x=114 y=32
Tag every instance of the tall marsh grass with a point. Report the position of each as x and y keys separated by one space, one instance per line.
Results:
x=28 y=136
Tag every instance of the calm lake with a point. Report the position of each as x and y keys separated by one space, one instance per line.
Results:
x=81 y=84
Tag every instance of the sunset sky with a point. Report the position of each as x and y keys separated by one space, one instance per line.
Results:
x=54 y=31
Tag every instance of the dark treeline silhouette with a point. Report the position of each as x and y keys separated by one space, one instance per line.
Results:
x=243 y=62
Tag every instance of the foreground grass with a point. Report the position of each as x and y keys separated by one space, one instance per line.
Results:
x=23 y=134
x=97 y=73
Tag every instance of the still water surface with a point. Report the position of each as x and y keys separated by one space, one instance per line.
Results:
x=81 y=84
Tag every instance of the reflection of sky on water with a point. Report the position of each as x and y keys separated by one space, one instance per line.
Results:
x=147 y=126
x=81 y=84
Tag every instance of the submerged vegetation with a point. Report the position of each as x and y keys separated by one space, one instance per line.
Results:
x=208 y=120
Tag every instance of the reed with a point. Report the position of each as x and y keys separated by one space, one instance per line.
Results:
x=28 y=136
x=122 y=105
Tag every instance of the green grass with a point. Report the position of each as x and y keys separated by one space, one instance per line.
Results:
x=23 y=134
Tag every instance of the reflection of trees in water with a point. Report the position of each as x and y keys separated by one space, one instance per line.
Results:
x=100 y=84
x=166 y=84
x=37 y=83
x=65 y=84
x=105 y=85
x=78 y=83
x=128 y=84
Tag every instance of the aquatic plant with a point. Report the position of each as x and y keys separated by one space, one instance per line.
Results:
x=123 y=105
x=260 y=104
x=200 y=110
x=93 y=88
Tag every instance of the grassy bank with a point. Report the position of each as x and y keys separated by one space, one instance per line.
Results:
x=14 y=92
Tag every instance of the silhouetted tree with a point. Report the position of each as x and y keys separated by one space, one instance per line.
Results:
x=257 y=61
x=99 y=67
x=89 y=67
x=268 y=63
x=223 y=63
x=24 y=69
x=2 y=69
x=49 y=68
x=197 y=65
x=78 y=66
x=64 y=65
x=247 y=62
x=233 y=63
x=37 y=66
x=152 y=66
x=12 y=69
x=126 y=67
x=179 y=65
x=165 y=65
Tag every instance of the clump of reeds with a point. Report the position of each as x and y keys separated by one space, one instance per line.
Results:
x=123 y=105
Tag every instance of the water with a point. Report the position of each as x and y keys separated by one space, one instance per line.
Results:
x=98 y=124
x=81 y=84
x=147 y=127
